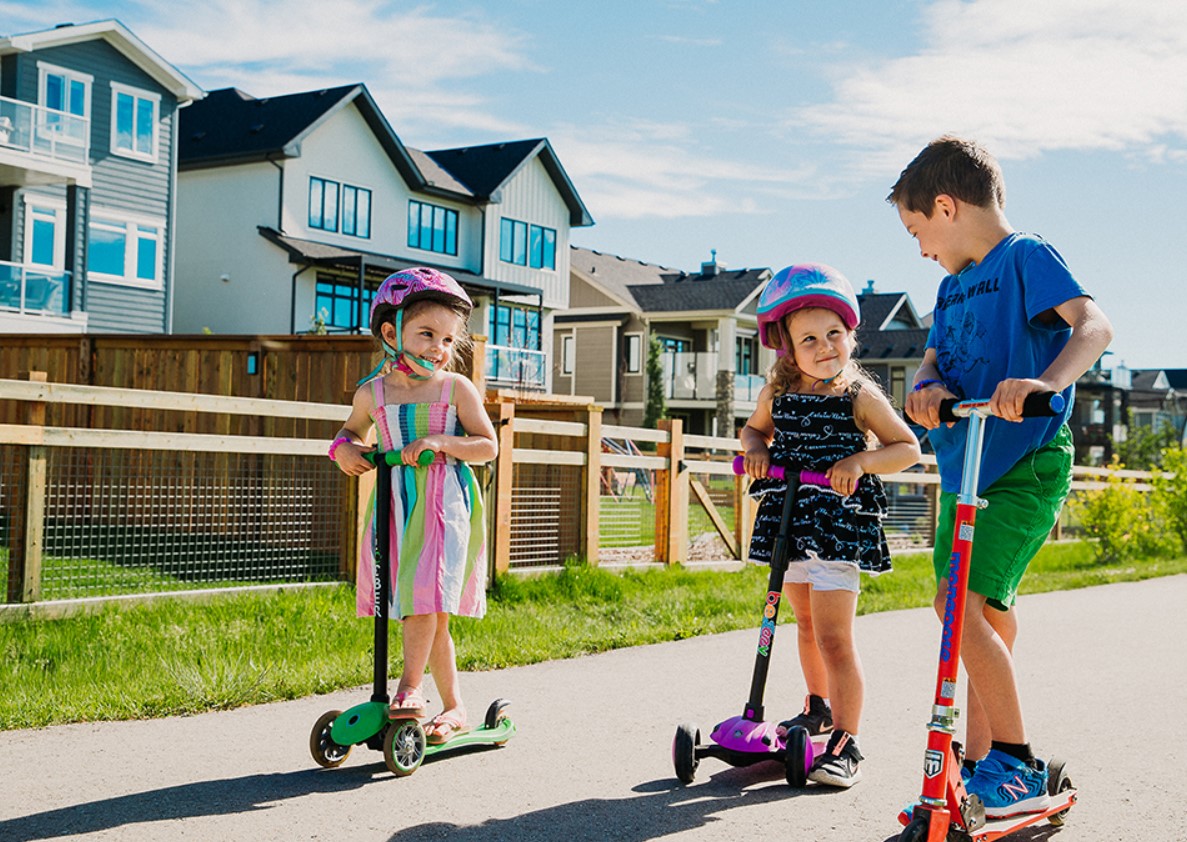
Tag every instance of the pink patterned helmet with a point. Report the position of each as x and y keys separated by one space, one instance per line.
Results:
x=402 y=288
x=800 y=286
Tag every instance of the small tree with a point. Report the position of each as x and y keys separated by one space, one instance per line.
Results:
x=656 y=406
x=1170 y=492
x=1144 y=447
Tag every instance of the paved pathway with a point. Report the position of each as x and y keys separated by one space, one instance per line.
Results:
x=1103 y=670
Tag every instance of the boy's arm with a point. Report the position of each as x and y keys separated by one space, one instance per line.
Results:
x=1091 y=334
x=923 y=405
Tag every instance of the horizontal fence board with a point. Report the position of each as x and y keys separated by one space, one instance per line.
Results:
x=528 y=456
x=139 y=440
x=712 y=443
x=552 y=428
x=614 y=460
x=24 y=390
x=612 y=431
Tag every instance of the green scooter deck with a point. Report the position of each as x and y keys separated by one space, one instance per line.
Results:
x=502 y=732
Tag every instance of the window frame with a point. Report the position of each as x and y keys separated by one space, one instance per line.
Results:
x=137 y=95
x=112 y=219
x=34 y=204
x=450 y=224
x=527 y=244
x=322 y=210
x=629 y=339
x=568 y=353
x=44 y=71
x=342 y=204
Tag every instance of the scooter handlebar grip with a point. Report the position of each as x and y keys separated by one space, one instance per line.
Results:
x=779 y=472
x=946 y=407
x=773 y=471
x=1042 y=405
x=392 y=457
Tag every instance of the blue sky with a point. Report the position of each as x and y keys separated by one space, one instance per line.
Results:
x=768 y=130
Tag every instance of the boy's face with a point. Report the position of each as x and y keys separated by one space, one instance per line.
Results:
x=936 y=234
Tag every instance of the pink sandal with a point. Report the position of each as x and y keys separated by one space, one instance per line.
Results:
x=407 y=705
x=444 y=727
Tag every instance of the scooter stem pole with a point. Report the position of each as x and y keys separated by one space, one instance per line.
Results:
x=382 y=573
x=938 y=771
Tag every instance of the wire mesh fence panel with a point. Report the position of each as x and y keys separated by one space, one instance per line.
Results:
x=545 y=514
x=121 y=522
x=705 y=541
x=10 y=505
x=910 y=517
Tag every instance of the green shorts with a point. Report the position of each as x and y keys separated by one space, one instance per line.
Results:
x=1023 y=508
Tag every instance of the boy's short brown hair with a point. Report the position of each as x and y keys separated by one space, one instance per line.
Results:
x=962 y=169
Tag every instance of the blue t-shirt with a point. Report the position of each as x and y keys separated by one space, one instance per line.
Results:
x=987 y=328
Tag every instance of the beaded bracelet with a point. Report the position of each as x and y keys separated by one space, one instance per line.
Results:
x=923 y=384
x=334 y=446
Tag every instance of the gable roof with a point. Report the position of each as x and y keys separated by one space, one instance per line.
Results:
x=880 y=309
x=485 y=170
x=234 y=127
x=120 y=37
x=896 y=344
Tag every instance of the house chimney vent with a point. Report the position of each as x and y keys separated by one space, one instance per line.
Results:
x=712 y=268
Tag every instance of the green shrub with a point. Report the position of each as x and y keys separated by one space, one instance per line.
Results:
x=1122 y=522
x=1170 y=493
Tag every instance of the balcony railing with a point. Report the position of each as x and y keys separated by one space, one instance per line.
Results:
x=30 y=289
x=518 y=367
x=693 y=376
x=36 y=130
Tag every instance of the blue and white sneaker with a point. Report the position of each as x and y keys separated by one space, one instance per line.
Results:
x=1008 y=787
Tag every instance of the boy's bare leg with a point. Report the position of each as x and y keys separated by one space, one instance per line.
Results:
x=833 y=613
x=811 y=662
x=989 y=663
x=977 y=739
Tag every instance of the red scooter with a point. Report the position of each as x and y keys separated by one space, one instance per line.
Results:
x=945 y=812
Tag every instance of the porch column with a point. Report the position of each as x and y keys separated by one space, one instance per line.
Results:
x=726 y=365
x=78 y=200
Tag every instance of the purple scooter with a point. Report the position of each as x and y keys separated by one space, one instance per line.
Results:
x=748 y=739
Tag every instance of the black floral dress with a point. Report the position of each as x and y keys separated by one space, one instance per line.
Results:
x=813 y=432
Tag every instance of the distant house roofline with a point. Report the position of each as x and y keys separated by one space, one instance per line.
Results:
x=120 y=37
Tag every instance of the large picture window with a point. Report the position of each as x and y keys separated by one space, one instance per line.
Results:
x=335 y=303
x=527 y=245
x=432 y=228
x=124 y=250
x=68 y=92
x=134 y=119
x=515 y=327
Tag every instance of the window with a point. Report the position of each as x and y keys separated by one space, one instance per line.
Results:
x=68 y=92
x=634 y=353
x=44 y=246
x=356 y=211
x=323 y=204
x=677 y=346
x=134 y=116
x=335 y=302
x=568 y=353
x=432 y=228
x=744 y=355
x=527 y=245
x=124 y=250
x=515 y=327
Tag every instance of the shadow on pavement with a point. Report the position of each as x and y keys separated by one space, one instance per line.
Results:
x=204 y=798
x=664 y=807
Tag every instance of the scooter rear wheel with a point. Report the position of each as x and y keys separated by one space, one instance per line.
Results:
x=404 y=747
x=916 y=831
x=684 y=752
x=1057 y=782
x=325 y=751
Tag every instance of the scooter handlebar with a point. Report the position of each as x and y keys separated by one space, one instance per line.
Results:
x=779 y=472
x=392 y=457
x=1036 y=405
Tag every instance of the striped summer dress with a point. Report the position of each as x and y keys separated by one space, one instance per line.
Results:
x=438 y=531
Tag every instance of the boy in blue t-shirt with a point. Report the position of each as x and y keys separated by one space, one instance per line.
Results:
x=1009 y=320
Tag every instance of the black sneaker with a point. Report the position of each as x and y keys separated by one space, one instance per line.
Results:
x=838 y=766
x=816 y=717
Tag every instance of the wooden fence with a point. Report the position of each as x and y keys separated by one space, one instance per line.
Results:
x=551 y=445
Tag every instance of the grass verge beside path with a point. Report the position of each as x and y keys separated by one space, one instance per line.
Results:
x=178 y=657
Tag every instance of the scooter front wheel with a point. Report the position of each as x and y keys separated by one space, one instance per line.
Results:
x=799 y=757
x=684 y=752
x=325 y=751
x=404 y=747
x=915 y=831
x=1057 y=782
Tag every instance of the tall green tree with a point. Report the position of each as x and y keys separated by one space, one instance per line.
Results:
x=656 y=406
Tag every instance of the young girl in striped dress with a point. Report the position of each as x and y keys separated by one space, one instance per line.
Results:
x=438 y=537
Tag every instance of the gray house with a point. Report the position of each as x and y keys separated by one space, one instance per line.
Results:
x=88 y=163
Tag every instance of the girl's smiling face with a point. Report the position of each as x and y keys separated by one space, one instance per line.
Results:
x=430 y=333
x=820 y=342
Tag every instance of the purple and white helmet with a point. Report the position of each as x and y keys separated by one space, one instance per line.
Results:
x=800 y=286
x=402 y=288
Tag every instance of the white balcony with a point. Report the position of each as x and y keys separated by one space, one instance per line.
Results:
x=41 y=146
x=692 y=376
x=34 y=290
x=518 y=367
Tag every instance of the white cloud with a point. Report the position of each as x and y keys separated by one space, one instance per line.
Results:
x=1024 y=78
x=643 y=169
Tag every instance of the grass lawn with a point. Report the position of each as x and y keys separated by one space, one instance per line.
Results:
x=177 y=656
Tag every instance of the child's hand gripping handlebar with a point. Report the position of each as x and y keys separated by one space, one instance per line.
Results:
x=778 y=472
x=392 y=457
x=1035 y=405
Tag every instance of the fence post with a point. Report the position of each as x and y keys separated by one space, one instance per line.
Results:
x=671 y=498
x=24 y=558
x=499 y=542
x=592 y=487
